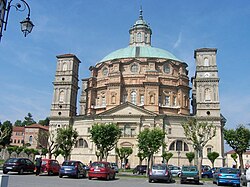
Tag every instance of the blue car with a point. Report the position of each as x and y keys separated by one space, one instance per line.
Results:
x=72 y=169
x=226 y=176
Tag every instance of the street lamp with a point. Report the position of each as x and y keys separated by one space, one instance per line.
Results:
x=26 y=24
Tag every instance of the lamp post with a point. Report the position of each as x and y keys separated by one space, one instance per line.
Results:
x=26 y=24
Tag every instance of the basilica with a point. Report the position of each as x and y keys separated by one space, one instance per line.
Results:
x=139 y=87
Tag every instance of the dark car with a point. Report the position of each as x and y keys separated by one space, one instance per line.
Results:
x=243 y=179
x=19 y=165
x=115 y=167
x=140 y=169
x=226 y=176
x=101 y=170
x=50 y=166
x=72 y=169
x=160 y=172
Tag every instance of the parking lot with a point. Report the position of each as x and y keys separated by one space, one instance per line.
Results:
x=30 y=180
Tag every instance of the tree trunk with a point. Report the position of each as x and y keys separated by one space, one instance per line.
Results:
x=50 y=155
x=148 y=168
x=241 y=163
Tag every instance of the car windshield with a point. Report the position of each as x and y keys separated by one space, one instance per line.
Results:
x=70 y=163
x=159 y=167
x=189 y=169
x=228 y=170
x=98 y=164
x=11 y=160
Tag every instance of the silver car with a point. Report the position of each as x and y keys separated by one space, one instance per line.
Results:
x=175 y=170
x=160 y=172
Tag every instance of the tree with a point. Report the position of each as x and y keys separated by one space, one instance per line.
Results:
x=212 y=157
x=28 y=120
x=18 y=123
x=52 y=143
x=57 y=152
x=141 y=156
x=44 y=151
x=166 y=156
x=19 y=150
x=199 y=133
x=234 y=156
x=238 y=139
x=5 y=133
x=28 y=151
x=190 y=156
x=11 y=149
x=44 y=122
x=123 y=153
x=149 y=142
x=105 y=137
x=66 y=139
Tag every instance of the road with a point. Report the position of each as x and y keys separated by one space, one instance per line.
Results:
x=30 y=180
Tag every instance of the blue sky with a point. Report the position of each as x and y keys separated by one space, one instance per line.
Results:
x=91 y=29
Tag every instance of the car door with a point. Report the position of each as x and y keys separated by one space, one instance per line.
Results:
x=29 y=166
x=81 y=169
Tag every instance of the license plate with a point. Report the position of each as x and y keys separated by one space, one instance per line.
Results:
x=8 y=167
x=96 y=170
x=190 y=177
x=66 y=169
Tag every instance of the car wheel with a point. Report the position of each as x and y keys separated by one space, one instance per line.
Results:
x=50 y=173
x=113 y=177
x=21 y=171
x=197 y=182
x=90 y=178
x=182 y=182
x=60 y=176
x=5 y=172
x=150 y=180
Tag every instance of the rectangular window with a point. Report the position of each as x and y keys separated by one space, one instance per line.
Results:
x=103 y=101
x=174 y=101
x=167 y=100
x=142 y=99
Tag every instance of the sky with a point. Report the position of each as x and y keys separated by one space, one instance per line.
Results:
x=91 y=29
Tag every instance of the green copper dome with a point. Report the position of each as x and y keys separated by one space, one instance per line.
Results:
x=139 y=51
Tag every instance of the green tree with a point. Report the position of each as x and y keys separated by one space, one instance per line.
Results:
x=18 y=123
x=166 y=156
x=199 y=133
x=149 y=142
x=5 y=133
x=123 y=153
x=190 y=156
x=34 y=153
x=27 y=151
x=44 y=151
x=141 y=156
x=44 y=122
x=11 y=149
x=28 y=120
x=57 y=152
x=234 y=156
x=105 y=137
x=238 y=139
x=66 y=139
x=212 y=157
x=19 y=150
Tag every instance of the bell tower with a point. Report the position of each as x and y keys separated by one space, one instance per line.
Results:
x=65 y=87
x=206 y=84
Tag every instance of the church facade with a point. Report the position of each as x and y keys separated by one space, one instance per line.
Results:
x=139 y=87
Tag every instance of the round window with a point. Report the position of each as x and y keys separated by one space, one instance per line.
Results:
x=105 y=71
x=134 y=68
x=166 y=68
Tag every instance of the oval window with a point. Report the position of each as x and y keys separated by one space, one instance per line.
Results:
x=105 y=71
x=166 y=68
x=134 y=68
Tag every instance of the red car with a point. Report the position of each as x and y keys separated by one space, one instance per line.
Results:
x=50 y=166
x=101 y=170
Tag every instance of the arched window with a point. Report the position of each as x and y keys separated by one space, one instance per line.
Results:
x=134 y=68
x=207 y=94
x=61 y=96
x=65 y=67
x=138 y=37
x=206 y=62
x=105 y=71
x=209 y=150
x=103 y=101
x=85 y=144
x=178 y=145
x=166 y=68
x=30 y=139
x=167 y=100
x=133 y=97
x=80 y=142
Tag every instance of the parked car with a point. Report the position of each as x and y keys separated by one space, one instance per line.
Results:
x=50 y=166
x=228 y=176
x=140 y=169
x=115 y=167
x=101 y=170
x=207 y=173
x=189 y=174
x=175 y=170
x=19 y=165
x=72 y=169
x=160 y=172
x=243 y=179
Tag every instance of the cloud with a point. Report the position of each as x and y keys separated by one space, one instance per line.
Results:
x=178 y=41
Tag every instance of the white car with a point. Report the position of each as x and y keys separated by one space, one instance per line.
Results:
x=175 y=170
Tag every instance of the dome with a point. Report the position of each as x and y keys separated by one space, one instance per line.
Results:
x=139 y=51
